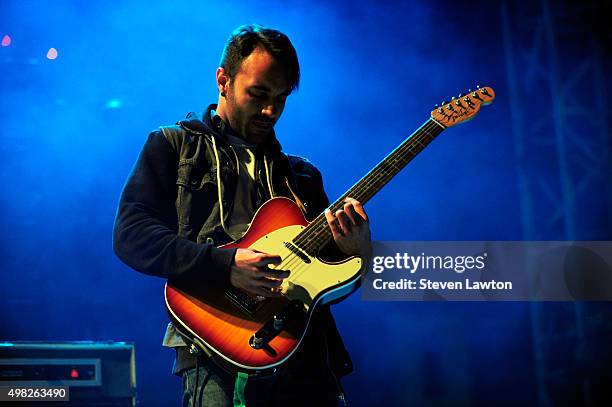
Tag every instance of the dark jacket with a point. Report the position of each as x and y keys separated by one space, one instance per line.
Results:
x=169 y=219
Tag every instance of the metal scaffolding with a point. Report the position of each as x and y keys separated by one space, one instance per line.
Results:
x=560 y=123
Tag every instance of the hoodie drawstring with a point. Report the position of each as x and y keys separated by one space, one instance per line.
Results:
x=218 y=172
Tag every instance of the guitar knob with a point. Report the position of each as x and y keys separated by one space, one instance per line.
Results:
x=278 y=323
x=256 y=342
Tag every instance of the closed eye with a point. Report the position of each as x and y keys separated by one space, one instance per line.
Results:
x=257 y=95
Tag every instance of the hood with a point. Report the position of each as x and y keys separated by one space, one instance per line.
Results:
x=203 y=124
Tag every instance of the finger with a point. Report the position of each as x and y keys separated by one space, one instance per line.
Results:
x=349 y=209
x=345 y=223
x=333 y=226
x=265 y=272
x=266 y=259
x=269 y=283
x=358 y=208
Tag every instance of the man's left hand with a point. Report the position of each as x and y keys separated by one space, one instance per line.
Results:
x=351 y=229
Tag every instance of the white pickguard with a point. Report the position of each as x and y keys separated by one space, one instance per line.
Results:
x=308 y=280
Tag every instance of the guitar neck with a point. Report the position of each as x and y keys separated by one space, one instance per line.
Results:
x=317 y=234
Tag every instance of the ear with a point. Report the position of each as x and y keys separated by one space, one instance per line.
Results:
x=223 y=81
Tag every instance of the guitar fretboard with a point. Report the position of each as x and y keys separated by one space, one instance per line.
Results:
x=317 y=234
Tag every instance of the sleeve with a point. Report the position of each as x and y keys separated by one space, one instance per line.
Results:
x=145 y=231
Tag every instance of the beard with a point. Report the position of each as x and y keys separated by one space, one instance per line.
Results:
x=254 y=128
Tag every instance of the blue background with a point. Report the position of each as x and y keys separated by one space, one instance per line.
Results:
x=533 y=165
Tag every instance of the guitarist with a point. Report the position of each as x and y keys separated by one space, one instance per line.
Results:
x=197 y=185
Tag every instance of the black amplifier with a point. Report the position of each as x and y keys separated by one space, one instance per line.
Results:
x=96 y=374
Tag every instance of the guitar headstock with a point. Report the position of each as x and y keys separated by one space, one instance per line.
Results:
x=462 y=108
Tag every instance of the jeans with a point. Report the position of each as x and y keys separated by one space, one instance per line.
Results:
x=294 y=384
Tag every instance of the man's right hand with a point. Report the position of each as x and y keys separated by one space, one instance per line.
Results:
x=250 y=272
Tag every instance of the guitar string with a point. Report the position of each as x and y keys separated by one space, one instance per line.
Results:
x=319 y=234
x=382 y=174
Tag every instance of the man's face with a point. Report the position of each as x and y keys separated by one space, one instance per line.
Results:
x=255 y=96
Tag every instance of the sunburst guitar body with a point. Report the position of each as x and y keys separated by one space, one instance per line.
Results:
x=225 y=321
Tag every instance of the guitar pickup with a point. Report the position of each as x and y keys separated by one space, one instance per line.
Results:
x=275 y=326
x=295 y=250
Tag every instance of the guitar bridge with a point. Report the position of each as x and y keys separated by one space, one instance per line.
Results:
x=249 y=303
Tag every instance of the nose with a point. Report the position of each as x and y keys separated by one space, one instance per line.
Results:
x=270 y=110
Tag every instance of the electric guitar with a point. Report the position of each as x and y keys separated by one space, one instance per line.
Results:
x=252 y=333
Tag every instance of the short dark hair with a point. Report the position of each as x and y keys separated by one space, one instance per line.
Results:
x=246 y=38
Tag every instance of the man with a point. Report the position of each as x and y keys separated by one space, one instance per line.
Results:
x=197 y=185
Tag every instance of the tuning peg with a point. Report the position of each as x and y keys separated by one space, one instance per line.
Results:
x=453 y=98
x=460 y=95
x=477 y=86
x=436 y=106
x=443 y=102
x=469 y=102
x=469 y=90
